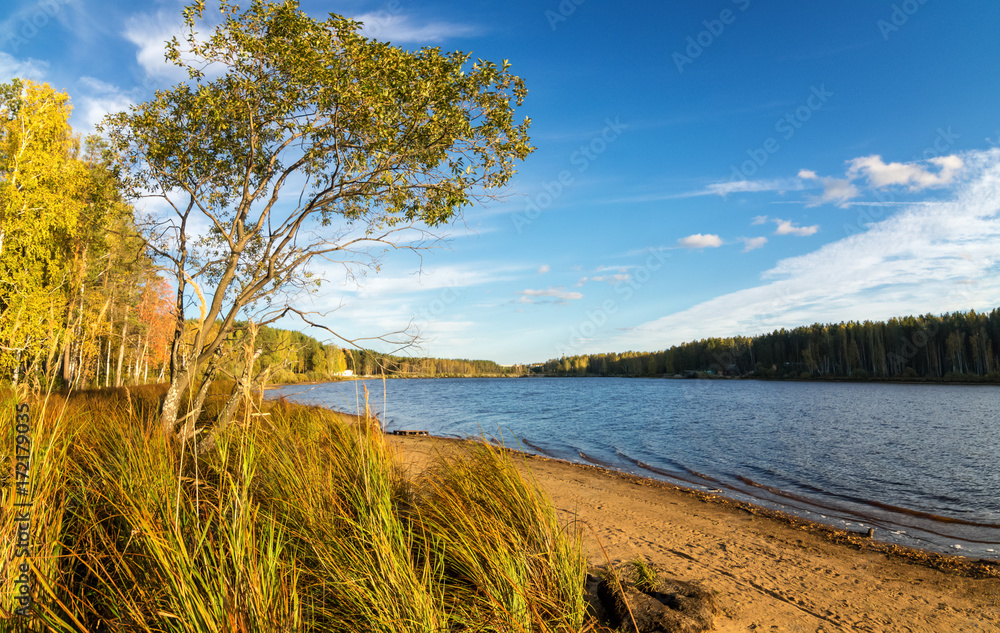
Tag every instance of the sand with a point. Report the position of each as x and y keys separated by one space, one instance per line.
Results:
x=771 y=572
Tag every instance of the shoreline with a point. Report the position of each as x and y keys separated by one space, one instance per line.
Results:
x=770 y=570
x=789 y=514
x=955 y=563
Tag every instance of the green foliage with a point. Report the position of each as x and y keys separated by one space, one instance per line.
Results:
x=385 y=143
x=645 y=577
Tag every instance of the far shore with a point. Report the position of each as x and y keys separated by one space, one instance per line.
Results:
x=827 y=379
x=773 y=571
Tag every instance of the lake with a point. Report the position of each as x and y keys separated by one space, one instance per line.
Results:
x=920 y=463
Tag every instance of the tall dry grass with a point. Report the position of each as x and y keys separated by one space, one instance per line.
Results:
x=298 y=520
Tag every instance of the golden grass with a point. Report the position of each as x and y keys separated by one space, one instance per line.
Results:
x=297 y=521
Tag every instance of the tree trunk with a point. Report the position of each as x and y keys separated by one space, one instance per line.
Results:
x=243 y=384
x=187 y=431
x=107 y=367
x=140 y=353
x=121 y=350
x=67 y=359
x=172 y=402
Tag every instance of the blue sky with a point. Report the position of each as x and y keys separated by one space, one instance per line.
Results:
x=703 y=169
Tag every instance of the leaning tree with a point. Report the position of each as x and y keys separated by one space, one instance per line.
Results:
x=295 y=139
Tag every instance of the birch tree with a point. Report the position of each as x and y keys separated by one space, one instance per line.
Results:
x=295 y=139
x=42 y=191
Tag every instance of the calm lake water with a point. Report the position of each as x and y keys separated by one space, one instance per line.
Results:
x=920 y=463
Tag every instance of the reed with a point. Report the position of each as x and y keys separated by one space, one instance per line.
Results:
x=298 y=520
x=508 y=563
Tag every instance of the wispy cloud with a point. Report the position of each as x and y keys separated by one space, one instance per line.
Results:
x=925 y=258
x=753 y=243
x=840 y=191
x=150 y=33
x=97 y=99
x=835 y=190
x=723 y=189
x=560 y=294
x=403 y=29
x=752 y=186
x=700 y=241
x=609 y=279
x=11 y=67
x=544 y=268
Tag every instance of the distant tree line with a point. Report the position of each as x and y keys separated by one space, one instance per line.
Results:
x=960 y=346
x=296 y=357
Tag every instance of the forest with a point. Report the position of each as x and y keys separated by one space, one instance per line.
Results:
x=954 y=347
x=83 y=305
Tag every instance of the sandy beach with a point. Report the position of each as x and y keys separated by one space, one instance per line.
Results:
x=771 y=572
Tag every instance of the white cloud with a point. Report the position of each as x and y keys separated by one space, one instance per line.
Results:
x=753 y=243
x=927 y=258
x=11 y=67
x=612 y=279
x=700 y=241
x=444 y=277
x=544 y=268
x=150 y=33
x=400 y=29
x=433 y=302
x=97 y=99
x=786 y=227
x=760 y=219
x=752 y=186
x=835 y=190
x=912 y=175
x=557 y=292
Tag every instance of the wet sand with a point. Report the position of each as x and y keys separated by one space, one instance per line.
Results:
x=772 y=572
